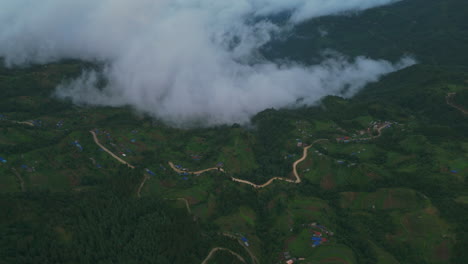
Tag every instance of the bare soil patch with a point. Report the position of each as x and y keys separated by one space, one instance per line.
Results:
x=328 y=182
x=442 y=251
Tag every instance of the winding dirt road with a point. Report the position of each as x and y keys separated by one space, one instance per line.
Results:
x=19 y=178
x=96 y=140
x=296 y=175
x=449 y=101
x=145 y=178
x=252 y=256
x=193 y=172
x=24 y=123
x=379 y=132
x=214 y=250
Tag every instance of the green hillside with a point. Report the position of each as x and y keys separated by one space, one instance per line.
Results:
x=385 y=180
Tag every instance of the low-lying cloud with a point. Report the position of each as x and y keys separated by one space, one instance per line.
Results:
x=183 y=60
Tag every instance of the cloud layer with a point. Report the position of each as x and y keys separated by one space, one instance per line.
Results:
x=183 y=61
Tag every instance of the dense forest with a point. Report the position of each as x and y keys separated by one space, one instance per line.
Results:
x=105 y=226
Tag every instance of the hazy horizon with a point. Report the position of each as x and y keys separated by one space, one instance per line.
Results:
x=184 y=61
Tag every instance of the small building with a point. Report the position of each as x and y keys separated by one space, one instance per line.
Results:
x=245 y=241
x=77 y=144
x=150 y=172
x=2 y=160
x=27 y=168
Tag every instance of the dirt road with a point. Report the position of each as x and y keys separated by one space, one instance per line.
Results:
x=214 y=250
x=96 y=140
x=379 y=133
x=187 y=205
x=298 y=178
x=252 y=256
x=296 y=175
x=28 y=123
x=24 y=123
x=193 y=172
x=145 y=178
x=19 y=178
x=449 y=101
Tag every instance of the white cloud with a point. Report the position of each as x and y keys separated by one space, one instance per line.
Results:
x=181 y=60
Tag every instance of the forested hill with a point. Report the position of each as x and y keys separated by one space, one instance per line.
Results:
x=103 y=226
x=434 y=31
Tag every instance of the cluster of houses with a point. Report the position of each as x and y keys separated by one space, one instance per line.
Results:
x=184 y=172
x=300 y=144
x=322 y=228
x=59 y=124
x=318 y=232
x=317 y=239
x=290 y=260
x=121 y=148
x=320 y=235
x=365 y=135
